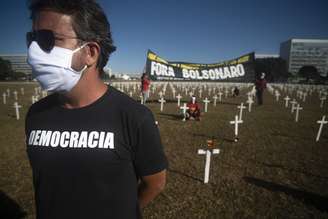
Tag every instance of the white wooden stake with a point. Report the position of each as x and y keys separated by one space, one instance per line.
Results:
x=250 y=101
x=208 y=161
x=321 y=122
x=206 y=101
x=4 y=98
x=179 y=98
x=287 y=98
x=241 y=107
x=236 y=122
x=16 y=106
x=298 y=108
x=184 y=110
x=162 y=101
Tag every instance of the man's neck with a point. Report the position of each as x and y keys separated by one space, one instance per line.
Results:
x=89 y=89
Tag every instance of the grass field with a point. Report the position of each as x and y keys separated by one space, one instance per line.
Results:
x=275 y=170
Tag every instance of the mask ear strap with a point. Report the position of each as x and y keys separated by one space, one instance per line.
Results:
x=81 y=47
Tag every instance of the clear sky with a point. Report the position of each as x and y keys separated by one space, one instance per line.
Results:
x=202 y=31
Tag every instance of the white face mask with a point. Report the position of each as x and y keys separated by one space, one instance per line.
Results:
x=53 y=70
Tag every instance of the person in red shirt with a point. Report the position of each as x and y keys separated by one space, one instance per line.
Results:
x=145 y=83
x=260 y=85
x=193 y=112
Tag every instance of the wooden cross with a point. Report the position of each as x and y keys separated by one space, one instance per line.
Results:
x=162 y=101
x=241 y=107
x=184 y=110
x=321 y=122
x=236 y=122
x=208 y=154
x=206 y=101
x=16 y=106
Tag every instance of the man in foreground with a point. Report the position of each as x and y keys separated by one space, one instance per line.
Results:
x=94 y=152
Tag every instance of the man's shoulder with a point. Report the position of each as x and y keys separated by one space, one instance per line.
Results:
x=128 y=104
x=43 y=104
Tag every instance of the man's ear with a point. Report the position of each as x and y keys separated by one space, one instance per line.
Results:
x=93 y=54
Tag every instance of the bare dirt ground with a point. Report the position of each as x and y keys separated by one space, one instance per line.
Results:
x=275 y=170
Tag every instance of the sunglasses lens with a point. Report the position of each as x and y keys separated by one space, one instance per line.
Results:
x=45 y=39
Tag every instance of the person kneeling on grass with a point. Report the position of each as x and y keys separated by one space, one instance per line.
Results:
x=193 y=113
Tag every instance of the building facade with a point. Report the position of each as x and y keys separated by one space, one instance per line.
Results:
x=18 y=63
x=305 y=52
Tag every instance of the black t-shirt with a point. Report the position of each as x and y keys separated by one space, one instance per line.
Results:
x=86 y=162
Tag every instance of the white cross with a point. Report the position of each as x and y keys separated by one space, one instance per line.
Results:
x=209 y=91
x=130 y=93
x=304 y=96
x=200 y=93
x=34 y=99
x=141 y=99
x=241 y=107
x=44 y=93
x=160 y=94
x=16 y=106
x=298 y=108
x=321 y=122
x=322 y=101
x=226 y=93
x=206 y=101
x=294 y=102
x=215 y=97
x=173 y=93
x=277 y=96
x=250 y=101
x=22 y=91
x=286 y=101
x=184 y=108
x=8 y=92
x=179 y=98
x=15 y=94
x=4 y=98
x=162 y=101
x=208 y=161
x=36 y=90
x=236 y=122
x=220 y=96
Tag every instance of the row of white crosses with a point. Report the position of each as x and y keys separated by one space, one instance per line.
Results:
x=16 y=106
x=15 y=93
x=302 y=95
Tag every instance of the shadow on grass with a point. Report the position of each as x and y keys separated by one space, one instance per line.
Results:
x=172 y=116
x=185 y=175
x=9 y=208
x=308 y=198
x=292 y=170
x=277 y=134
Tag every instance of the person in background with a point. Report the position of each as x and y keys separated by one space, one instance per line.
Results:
x=145 y=84
x=260 y=86
x=193 y=113
x=235 y=92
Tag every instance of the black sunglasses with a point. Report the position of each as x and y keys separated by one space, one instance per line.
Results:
x=45 y=38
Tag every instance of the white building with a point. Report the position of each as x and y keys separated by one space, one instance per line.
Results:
x=263 y=56
x=305 y=52
x=18 y=62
